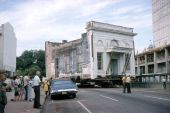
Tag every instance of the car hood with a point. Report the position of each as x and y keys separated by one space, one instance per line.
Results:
x=65 y=86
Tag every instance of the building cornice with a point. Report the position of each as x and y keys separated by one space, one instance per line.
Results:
x=154 y=50
x=98 y=26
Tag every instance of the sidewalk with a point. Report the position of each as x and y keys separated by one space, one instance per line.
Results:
x=22 y=106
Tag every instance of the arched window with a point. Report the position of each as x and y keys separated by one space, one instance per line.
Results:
x=114 y=43
x=127 y=45
x=100 y=43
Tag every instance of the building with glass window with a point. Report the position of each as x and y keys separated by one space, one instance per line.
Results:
x=152 y=65
x=103 y=50
x=161 y=22
x=8 y=45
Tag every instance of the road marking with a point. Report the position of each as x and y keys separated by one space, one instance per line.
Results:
x=157 y=98
x=84 y=107
x=55 y=102
x=149 y=91
x=153 y=92
x=82 y=91
x=109 y=98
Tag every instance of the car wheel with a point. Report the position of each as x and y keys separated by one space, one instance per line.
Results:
x=52 y=97
x=74 y=95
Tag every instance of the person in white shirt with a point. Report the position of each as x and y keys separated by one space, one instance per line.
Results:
x=124 y=83
x=128 y=81
x=30 y=85
x=26 y=80
x=8 y=82
x=164 y=83
x=36 y=85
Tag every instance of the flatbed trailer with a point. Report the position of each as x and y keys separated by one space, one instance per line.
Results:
x=103 y=82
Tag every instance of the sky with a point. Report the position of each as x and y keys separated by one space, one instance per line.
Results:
x=37 y=21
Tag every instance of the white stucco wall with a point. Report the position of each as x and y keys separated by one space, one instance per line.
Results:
x=1 y=48
x=8 y=48
x=106 y=37
x=49 y=59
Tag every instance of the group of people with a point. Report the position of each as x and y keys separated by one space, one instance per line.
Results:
x=126 y=80
x=22 y=86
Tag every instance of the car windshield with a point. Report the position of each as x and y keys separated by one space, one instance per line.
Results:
x=57 y=82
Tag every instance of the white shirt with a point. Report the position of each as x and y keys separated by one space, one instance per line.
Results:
x=26 y=79
x=124 y=79
x=8 y=81
x=163 y=80
x=128 y=80
x=36 y=81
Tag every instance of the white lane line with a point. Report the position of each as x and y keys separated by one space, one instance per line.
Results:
x=55 y=102
x=84 y=107
x=109 y=98
x=157 y=98
x=154 y=92
x=149 y=91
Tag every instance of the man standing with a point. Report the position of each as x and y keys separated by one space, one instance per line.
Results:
x=128 y=81
x=36 y=85
x=26 y=80
x=3 y=97
x=30 y=85
x=124 y=84
x=164 y=83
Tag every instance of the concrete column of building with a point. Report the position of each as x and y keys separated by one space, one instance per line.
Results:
x=166 y=59
x=137 y=66
x=146 y=64
x=160 y=78
x=155 y=63
x=105 y=61
x=154 y=79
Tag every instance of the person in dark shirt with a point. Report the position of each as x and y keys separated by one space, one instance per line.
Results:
x=3 y=97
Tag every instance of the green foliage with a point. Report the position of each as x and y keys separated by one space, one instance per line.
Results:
x=31 y=61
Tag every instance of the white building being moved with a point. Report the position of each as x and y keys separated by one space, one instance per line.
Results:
x=103 y=50
x=8 y=43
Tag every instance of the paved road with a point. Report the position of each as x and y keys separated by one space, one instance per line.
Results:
x=112 y=101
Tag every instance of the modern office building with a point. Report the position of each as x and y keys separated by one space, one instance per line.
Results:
x=161 y=22
x=102 y=50
x=8 y=43
x=153 y=65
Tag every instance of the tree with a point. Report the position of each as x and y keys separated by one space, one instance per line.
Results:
x=30 y=61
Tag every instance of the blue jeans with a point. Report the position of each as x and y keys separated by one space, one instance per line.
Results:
x=26 y=92
x=2 y=107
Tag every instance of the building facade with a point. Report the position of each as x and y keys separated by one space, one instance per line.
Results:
x=102 y=50
x=8 y=45
x=154 y=64
x=161 y=22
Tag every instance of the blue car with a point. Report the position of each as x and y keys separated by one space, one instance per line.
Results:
x=63 y=87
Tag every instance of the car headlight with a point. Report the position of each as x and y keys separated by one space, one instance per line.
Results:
x=53 y=91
